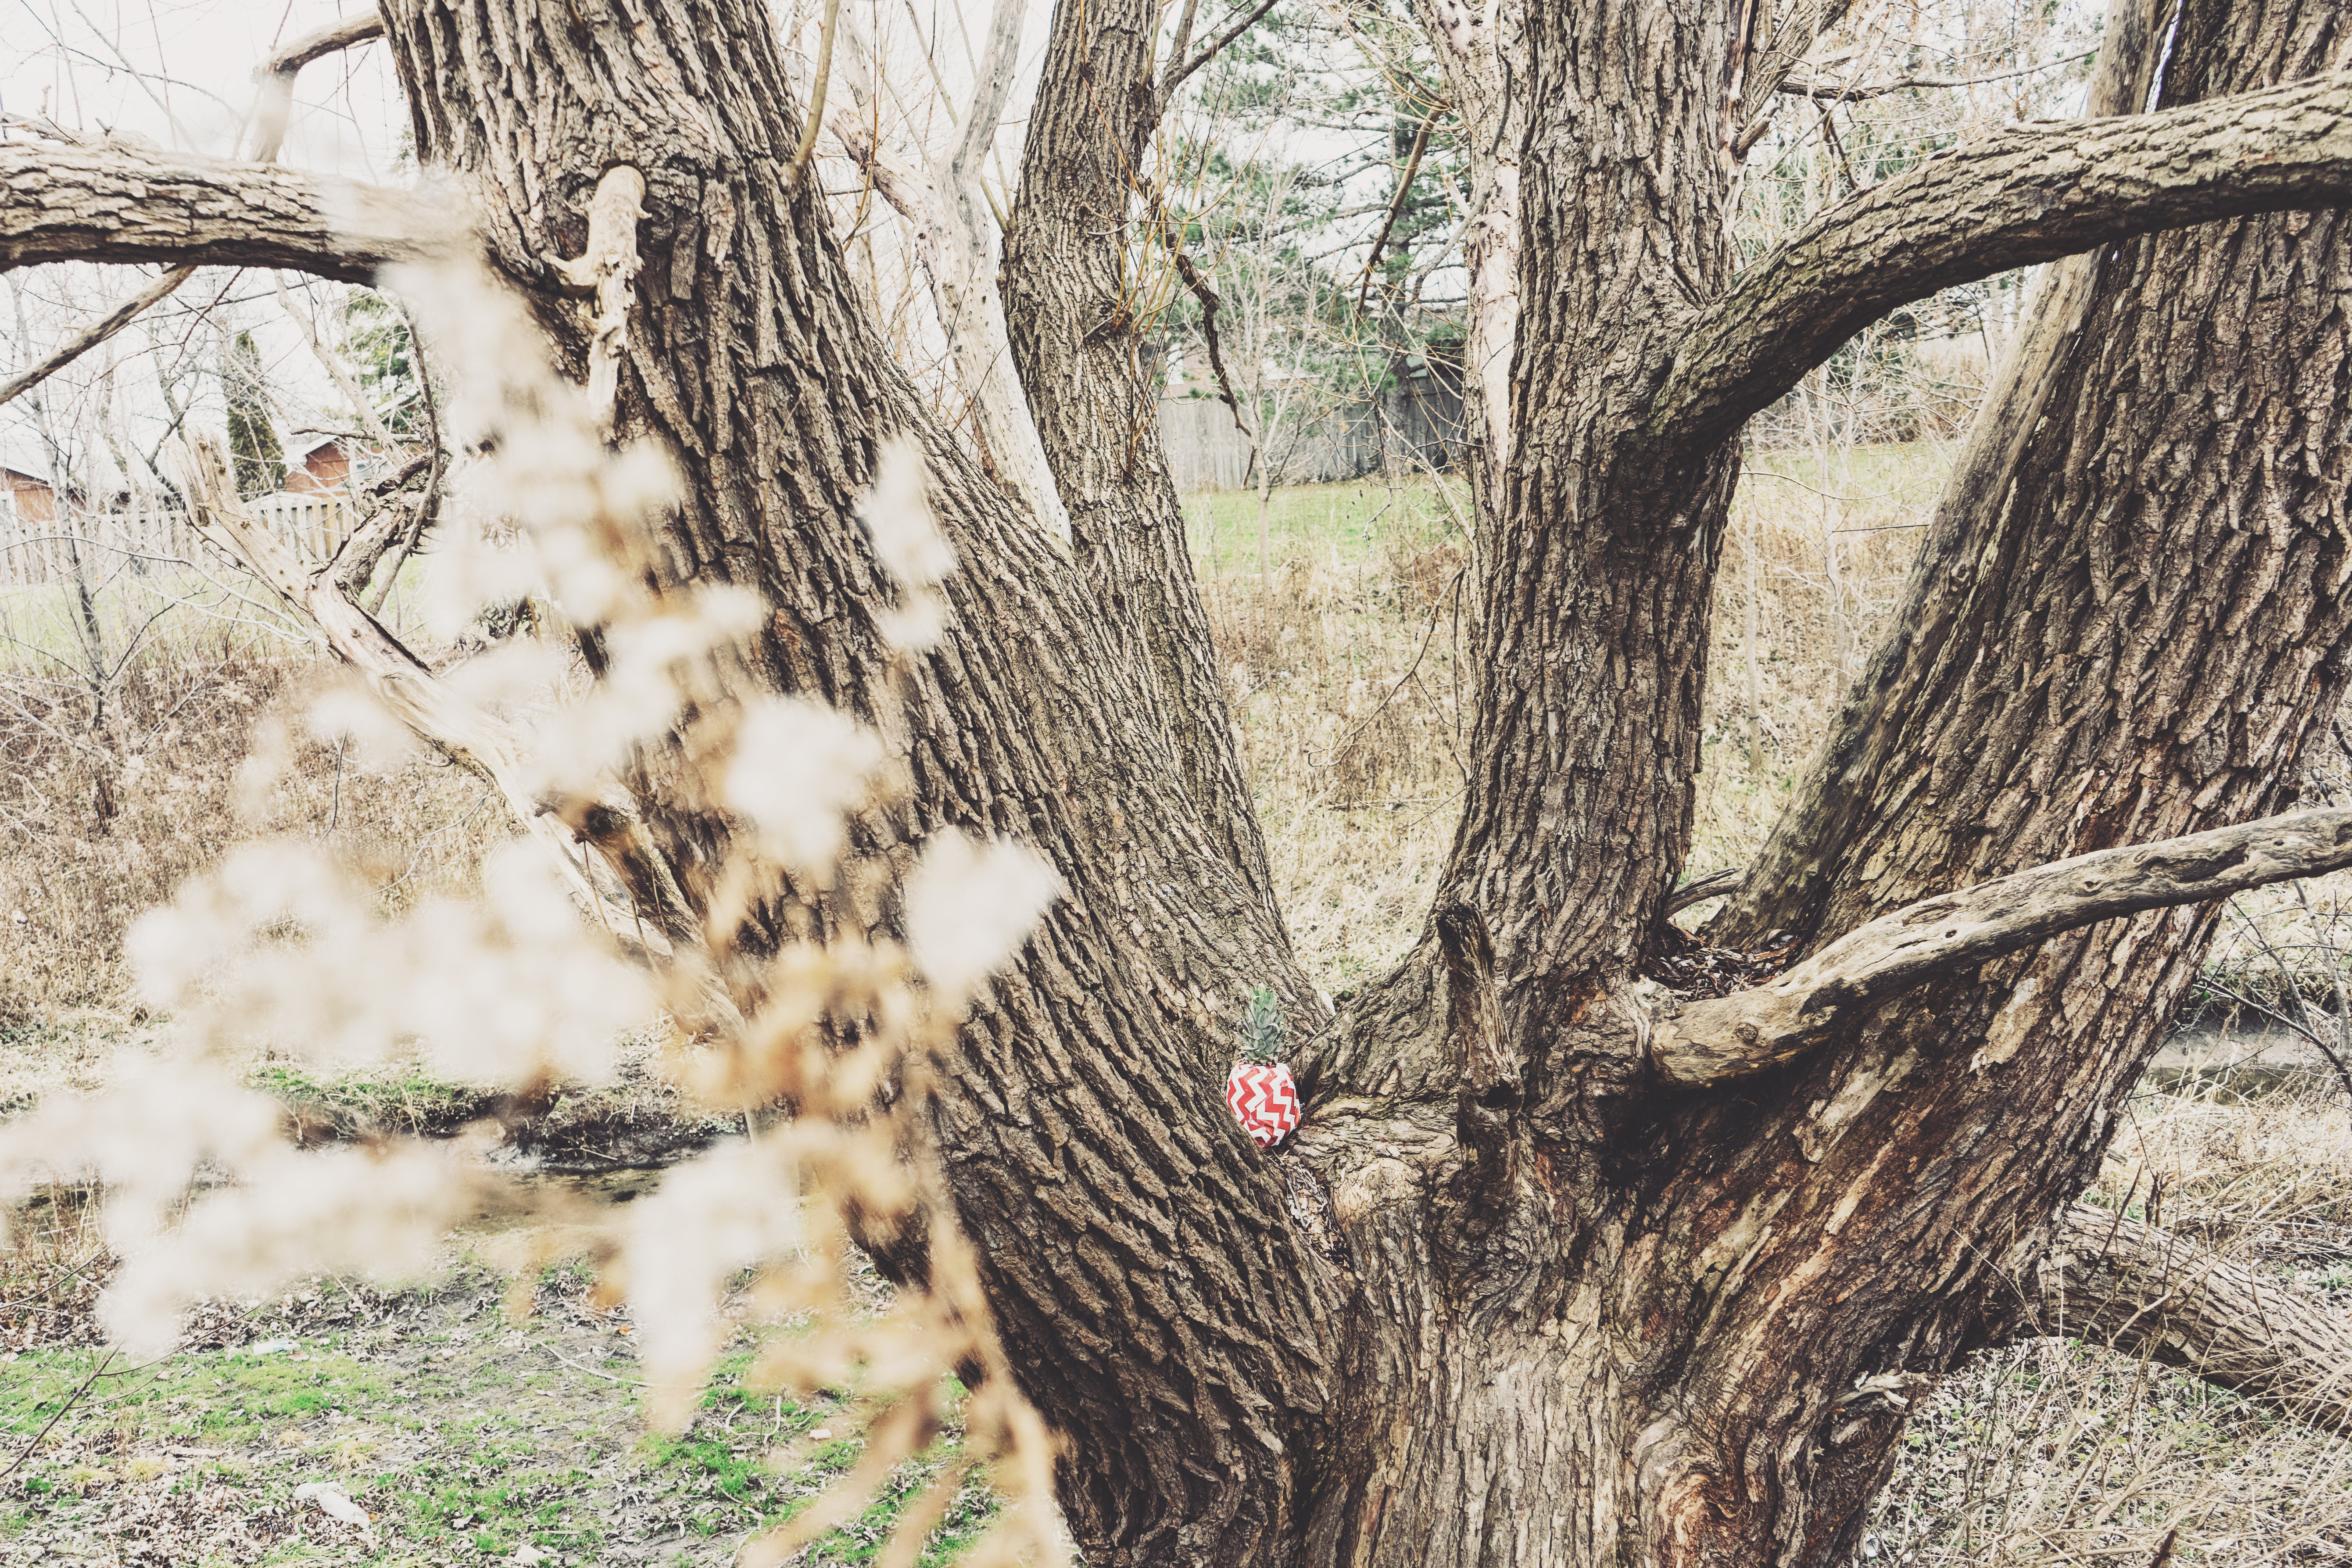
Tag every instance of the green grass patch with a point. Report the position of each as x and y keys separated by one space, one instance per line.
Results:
x=1349 y=524
x=402 y=1098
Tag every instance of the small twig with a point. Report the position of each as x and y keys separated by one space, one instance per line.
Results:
x=608 y=1377
x=1210 y=52
x=92 y=336
x=1207 y=297
x=815 y=119
x=1847 y=92
x=71 y=1400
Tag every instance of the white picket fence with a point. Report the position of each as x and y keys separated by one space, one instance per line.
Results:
x=34 y=551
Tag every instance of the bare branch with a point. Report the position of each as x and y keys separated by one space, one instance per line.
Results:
x=90 y=337
x=118 y=203
x=270 y=115
x=807 y=149
x=1861 y=93
x=1714 y=885
x=278 y=73
x=1175 y=78
x=1771 y=63
x=991 y=86
x=1749 y=1031
x=411 y=693
x=2027 y=193
x=2134 y=1288
x=335 y=369
x=1396 y=208
x=1176 y=48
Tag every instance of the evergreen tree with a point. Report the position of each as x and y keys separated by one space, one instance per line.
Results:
x=259 y=460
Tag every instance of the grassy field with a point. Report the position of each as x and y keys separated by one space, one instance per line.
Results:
x=470 y=1434
x=464 y=1432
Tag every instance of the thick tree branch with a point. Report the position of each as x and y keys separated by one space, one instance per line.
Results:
x=271 y=114
x=1749 y=1031
x=117 y=203
x=2137 y=1290
x=353 y=564
x=1714 y=885
x=2028 y=194
x=1488 y=1109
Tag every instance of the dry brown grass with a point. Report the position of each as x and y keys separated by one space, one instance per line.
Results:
x=2055 y=1452
x=102 y=822
x=53 y=1263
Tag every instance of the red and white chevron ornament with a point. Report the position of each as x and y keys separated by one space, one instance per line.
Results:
x=1264 y=1100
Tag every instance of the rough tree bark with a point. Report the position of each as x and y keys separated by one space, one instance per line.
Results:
x=1072 y=297
x=1512 y=1295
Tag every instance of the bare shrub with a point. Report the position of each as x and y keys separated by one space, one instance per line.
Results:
x=101 y=826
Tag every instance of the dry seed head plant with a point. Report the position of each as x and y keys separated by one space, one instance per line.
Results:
x=825 y=1050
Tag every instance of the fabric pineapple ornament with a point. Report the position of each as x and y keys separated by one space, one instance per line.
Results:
x=1263 y=1098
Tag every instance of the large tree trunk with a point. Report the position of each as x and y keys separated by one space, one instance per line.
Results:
x=2129 y=636
x=1135 y=1244
x=1685 y=1328
x=1560 y=1269
x=1507 y=1299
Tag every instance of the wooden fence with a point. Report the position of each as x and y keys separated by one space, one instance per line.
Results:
x=37 y=550
x=1415 y=425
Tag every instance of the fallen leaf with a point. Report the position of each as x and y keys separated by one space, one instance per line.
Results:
x=335 y=1503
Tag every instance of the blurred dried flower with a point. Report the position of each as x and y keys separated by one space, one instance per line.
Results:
x=969 y=906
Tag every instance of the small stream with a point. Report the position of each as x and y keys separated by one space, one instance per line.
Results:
x=2238 y=1063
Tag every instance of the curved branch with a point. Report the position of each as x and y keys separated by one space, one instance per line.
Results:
x=2142 y=1291
x=118 y=203
x=2027 y=193
x=277 y=76
x=1749 y=1031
